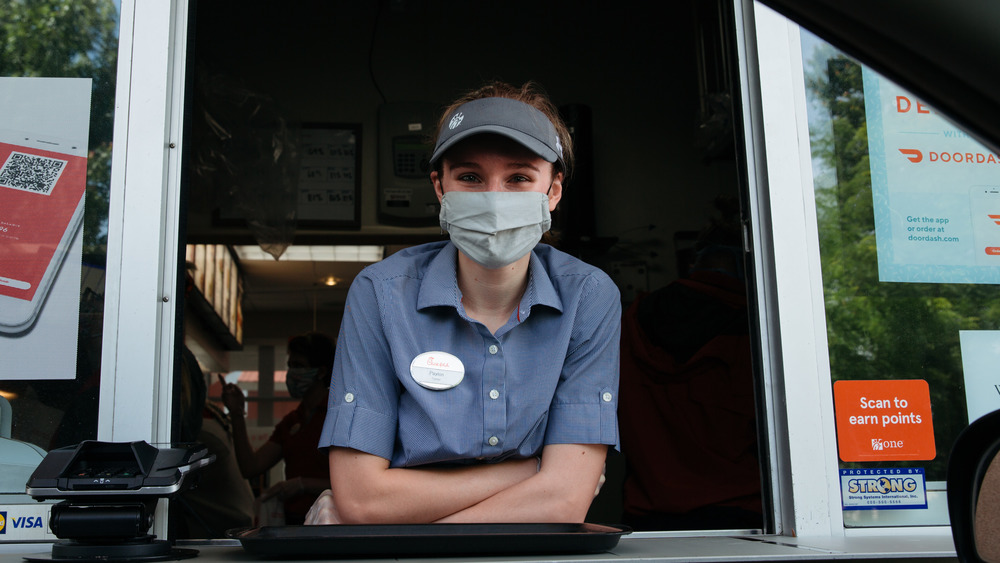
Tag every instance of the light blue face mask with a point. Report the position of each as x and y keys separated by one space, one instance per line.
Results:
x=495 y=229
x=299 y=380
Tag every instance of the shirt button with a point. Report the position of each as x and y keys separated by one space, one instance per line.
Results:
x=493 y=440
x=349 y=398
x=494 y=349
x=607 y=397
x=494 y=394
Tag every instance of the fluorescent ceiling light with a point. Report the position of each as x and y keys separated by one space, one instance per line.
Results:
x=338 y=253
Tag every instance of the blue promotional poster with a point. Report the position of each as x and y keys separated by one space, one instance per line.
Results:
x=936 y=192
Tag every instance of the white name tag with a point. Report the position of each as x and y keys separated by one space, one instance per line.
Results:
x=437 y=370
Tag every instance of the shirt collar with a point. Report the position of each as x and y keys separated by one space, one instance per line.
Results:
x=440 y=283
x=540 y=290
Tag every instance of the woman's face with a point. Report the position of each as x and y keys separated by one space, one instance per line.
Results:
x=495 y=163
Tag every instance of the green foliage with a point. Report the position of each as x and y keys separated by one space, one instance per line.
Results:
x=880 y=330
x=77 y=39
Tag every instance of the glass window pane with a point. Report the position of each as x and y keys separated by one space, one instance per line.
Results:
x=57 y=83
x=908 y=209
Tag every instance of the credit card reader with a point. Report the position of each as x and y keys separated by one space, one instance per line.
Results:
x=109 y=492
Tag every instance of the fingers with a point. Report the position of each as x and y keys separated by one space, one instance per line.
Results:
x=322 y=512
x=601 y=480
x=232 y=396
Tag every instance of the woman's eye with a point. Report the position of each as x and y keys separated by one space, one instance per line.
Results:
x=520 y=178
x=468 y=178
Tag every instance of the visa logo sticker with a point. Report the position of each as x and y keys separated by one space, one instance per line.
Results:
x=25 y=522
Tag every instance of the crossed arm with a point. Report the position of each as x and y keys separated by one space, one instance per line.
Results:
x=364 y=489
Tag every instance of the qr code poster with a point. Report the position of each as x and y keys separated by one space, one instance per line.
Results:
x=39 y=194
x=31 y=172
x=44 y=129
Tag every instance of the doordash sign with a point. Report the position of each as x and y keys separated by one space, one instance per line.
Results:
x=884 y=420
x=935 y=192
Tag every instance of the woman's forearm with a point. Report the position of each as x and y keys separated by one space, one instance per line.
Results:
x=562 y=491
x=366 y=490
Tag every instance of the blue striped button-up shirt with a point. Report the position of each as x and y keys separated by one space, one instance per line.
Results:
x=548 y=376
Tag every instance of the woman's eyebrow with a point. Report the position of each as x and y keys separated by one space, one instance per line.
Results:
x=527 y=165
x=470 y=164
x=512 y=165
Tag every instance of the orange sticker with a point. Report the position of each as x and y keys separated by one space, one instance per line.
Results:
x=884 y=420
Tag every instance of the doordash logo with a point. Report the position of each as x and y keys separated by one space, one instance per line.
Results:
x=904 y=105
x=916 y=155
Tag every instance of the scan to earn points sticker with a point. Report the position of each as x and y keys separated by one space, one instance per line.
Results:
x=884 y=420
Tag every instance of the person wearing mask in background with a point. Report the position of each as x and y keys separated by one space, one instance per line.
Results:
x=477 y=378
x=307 y=471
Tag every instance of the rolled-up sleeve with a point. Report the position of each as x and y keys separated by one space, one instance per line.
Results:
x=364 y=392
x=584 y=409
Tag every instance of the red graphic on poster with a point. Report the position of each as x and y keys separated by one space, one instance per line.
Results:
x=884 y=420
x=39 y=192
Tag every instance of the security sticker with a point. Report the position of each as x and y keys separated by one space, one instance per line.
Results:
x=883 y=488
x=437 y=371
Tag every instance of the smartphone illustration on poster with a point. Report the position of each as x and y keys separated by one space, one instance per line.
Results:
x=984 y=202
x=42 y=185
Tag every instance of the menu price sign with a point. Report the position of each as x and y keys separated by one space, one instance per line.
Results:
x=329 y=184
x=884 y=420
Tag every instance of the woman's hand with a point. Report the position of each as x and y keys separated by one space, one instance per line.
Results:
x=232 y=397
x=323 y=511
x=600 y=482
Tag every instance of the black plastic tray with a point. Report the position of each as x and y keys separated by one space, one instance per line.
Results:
x=403 y=540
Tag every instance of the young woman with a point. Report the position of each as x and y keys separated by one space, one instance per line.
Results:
x=476 y=379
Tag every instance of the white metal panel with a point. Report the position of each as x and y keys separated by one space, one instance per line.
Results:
x=777 y=470
x=802 y=345
x=171 y=239
x=142 y=228
x=116 y=209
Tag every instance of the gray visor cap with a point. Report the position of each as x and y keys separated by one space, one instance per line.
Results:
x=503 y=116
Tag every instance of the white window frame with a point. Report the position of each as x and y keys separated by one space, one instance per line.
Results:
x=789 y=281
x=143 y=223
x=143 y=234
x=143 y=227
x=804 y=456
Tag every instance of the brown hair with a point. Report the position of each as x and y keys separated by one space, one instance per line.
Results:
x=529 y=93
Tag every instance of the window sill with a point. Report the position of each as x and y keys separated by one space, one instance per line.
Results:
x=643 y=547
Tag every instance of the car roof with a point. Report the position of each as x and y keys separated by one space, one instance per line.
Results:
x=945 y=52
